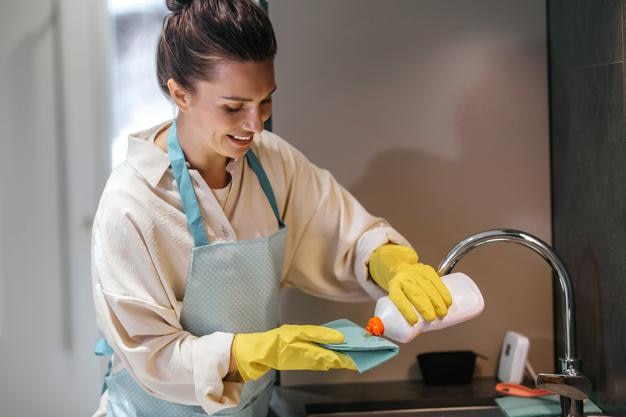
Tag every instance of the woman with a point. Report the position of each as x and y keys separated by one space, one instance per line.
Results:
x=209 y=215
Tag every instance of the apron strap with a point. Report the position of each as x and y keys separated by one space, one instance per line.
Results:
x=103 y=349
x=188 y=195
x=185 y=187
x=265 y=184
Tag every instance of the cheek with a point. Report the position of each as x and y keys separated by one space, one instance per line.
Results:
x=216 y=120
x=229 y=122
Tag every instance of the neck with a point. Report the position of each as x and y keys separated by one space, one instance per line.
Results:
x=210 y=165
x=215 y=177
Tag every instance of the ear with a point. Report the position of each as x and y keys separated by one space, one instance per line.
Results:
x=181 y=97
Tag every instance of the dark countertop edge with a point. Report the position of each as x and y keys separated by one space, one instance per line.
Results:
x=292 y=401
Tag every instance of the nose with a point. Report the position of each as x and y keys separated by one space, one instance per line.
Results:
x=253 y=121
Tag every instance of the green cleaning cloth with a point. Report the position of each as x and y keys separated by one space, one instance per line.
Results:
x=548 y=405
x=366 y=351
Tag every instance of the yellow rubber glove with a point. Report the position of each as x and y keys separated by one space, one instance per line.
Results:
x=288 y=347
x=409 y=283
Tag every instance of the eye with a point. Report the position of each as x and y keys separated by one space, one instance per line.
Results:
x=267 y=100
x=232 y=109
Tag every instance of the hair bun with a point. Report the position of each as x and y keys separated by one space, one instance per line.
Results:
x=177 y=5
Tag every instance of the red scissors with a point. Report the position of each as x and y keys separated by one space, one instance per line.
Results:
x=518 y=390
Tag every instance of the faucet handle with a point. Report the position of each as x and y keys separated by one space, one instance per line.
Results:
x=576 y=387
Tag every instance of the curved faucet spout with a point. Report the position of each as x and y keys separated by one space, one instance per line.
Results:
x=546 y=252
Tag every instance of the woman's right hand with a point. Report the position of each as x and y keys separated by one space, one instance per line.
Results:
x=411 y=285
x=288 y=347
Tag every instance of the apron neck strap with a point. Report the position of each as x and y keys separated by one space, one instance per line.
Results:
x=188 y=195
x=265 y=184
x=185 y=188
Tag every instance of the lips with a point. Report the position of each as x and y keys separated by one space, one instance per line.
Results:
x=241 y=140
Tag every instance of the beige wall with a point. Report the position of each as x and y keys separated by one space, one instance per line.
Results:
x=434 y=114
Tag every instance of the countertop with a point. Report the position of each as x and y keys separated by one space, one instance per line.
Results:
x=294 y=401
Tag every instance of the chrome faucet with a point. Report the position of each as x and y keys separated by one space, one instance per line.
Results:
x=572 y=386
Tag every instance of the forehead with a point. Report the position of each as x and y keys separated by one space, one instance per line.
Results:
x=248 y=79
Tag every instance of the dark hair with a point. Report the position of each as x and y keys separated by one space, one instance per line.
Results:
x=197 y=34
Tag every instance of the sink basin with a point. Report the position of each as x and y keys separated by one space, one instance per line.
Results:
x=388 y=399
x=473 y=411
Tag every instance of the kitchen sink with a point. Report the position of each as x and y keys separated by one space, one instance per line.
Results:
x=388 y=399
x=473 y=411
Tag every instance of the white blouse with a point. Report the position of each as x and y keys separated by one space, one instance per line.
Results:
x=141 y=251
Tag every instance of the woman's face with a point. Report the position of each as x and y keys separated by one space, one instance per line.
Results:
x=223 y=114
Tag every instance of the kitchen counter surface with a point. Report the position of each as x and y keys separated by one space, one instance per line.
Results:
x=294 y=401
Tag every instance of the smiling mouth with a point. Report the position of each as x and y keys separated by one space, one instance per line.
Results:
x=241 y=138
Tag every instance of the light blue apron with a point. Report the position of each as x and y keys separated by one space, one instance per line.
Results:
x=232 y=287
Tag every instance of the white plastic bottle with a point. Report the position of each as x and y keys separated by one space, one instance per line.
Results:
x=467 y=303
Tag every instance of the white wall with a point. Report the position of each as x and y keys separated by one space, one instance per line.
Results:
x=53 y=161
x=434 y=114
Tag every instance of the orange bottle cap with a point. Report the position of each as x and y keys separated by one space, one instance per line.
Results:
x=375 y=326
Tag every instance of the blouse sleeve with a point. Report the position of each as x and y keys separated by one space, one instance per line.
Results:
x=331 y=235
x=140 y=323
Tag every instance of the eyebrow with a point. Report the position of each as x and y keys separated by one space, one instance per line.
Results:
x=237 y=98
